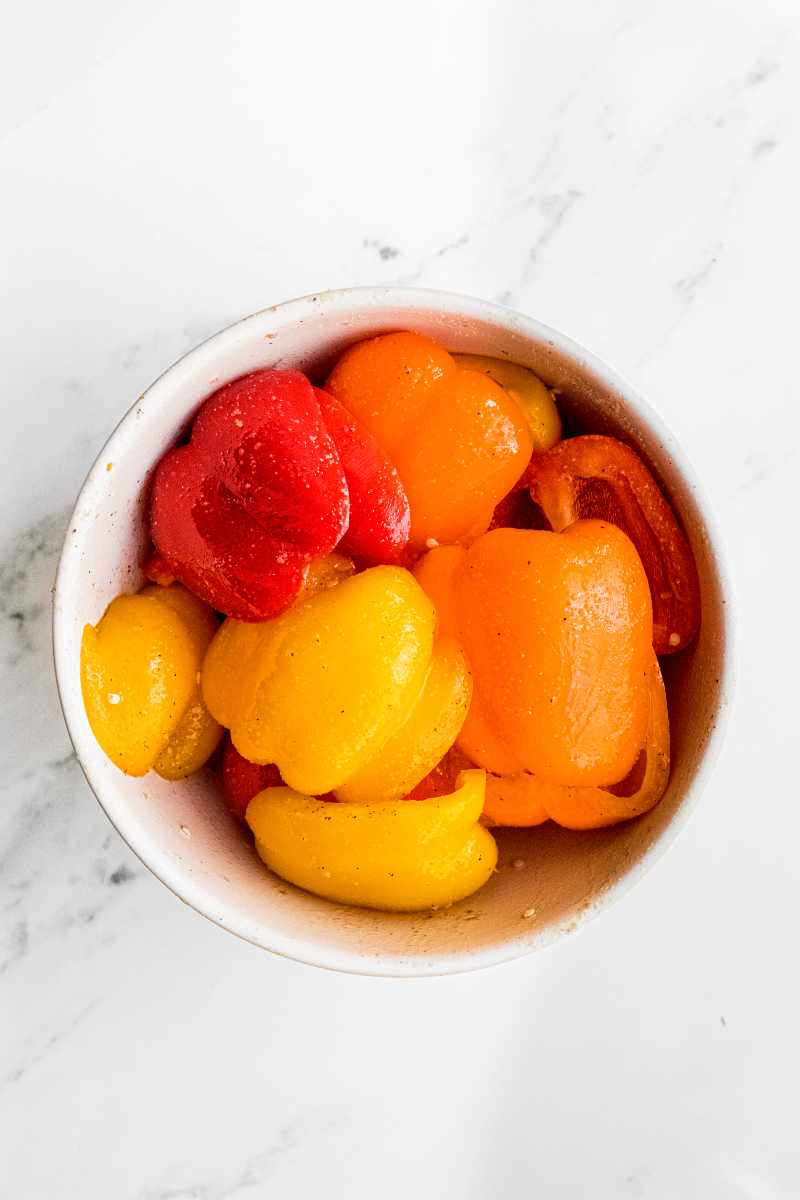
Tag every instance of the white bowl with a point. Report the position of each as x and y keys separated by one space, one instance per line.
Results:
x=182 y=832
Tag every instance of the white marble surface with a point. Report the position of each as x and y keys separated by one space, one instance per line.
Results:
x=627 y=172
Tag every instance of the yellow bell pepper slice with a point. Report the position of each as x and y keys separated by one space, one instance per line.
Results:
x=432 y=726
x=140 y=678
x=320 y=689
x=243 y=652
x=402 y=856
x=138 y=672
x=197 y=734
x=534 y=398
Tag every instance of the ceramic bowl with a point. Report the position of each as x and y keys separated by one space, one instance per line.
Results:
x=182 y=831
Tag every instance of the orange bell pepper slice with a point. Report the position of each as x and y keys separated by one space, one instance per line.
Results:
x=557 y=629
x=515 y=800
x=437 y=573
x=528 y=799
x=458 y=440
x=595 y=476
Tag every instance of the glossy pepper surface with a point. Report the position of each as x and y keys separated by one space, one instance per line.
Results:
x=404 y=855
x=430 y=729
x=343 y=677
x=594 y=807
x=524 y=799
x=238 y=513
x=140 y=669
x=380 y=518
x=533 y=397
x=601 y=477
x=459 y=441
x=242 y=780
x=557 y=630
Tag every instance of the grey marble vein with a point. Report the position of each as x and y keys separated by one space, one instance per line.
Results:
x=294 y=1136
x=54 y=1040
x=27 y=570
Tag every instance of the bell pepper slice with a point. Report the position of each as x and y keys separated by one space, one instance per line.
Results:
x=380 y=518
x=529 y=799
x=534 y=397
x=428 y=732
x=557 y=629
x=197 y=734
x=438 y=572
x=512 y=799
x=515 y=800
x=459 y=441
x=238 y=513
x=401 y=856
x=242 y=780
x=140 y=667
x=523 y=800
x=600 y=477
x=321 y=689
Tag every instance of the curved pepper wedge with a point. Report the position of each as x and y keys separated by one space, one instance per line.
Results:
x=600 y=477
x=238 y=512
x=402 y=856
x=459 y=441
x=140 y=667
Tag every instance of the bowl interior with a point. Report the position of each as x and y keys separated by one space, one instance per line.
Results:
x=548 y=878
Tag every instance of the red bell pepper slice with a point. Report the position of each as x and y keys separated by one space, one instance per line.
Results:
x=380 y=518
x=237 y=514
x=595 y=476
x=242 y=779
x=156 y=570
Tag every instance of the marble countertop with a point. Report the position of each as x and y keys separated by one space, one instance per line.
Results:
x=625 y=172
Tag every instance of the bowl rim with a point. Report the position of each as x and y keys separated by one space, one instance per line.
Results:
x=311 y=951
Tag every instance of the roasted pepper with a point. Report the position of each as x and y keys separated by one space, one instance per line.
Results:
x=557 y=631
x=404 y=856
x=459 y=441
x=438 y=573
x=241 y=780
x=238 y=513
x=345 y=690
x=140 y=671
x=523 y=799
x=600 y=477
x=429 y=731
x=529 y=800
x=380 y=518
x=534 y=397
